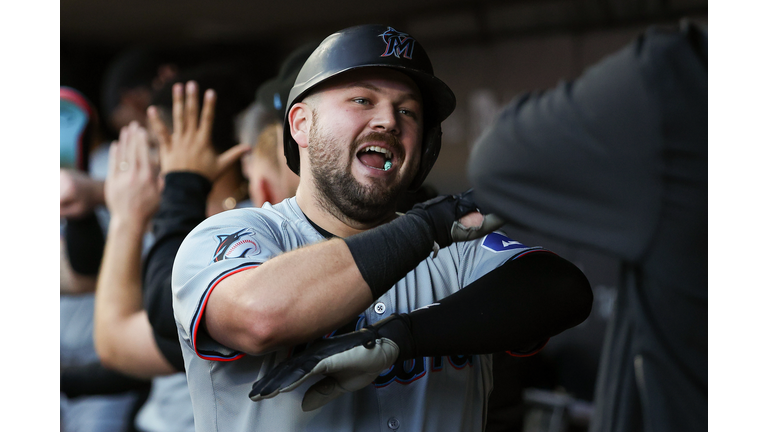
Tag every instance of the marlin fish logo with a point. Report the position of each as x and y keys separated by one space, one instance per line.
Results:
x=226 y=241
x=398 y=43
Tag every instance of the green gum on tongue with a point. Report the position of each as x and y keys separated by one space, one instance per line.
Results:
x=387 y=165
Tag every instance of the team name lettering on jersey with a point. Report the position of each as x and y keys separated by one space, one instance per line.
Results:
x=411 y=370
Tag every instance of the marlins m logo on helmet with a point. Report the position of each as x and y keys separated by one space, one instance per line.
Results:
x=397 y=43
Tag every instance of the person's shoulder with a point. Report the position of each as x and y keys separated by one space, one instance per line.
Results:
x=257 y=221
x=270 y=214
x=236 y=216
x=283 y=222
x=283 y=217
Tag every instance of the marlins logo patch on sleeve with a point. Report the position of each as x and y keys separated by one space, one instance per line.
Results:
x=239 y=244
x=496 y=242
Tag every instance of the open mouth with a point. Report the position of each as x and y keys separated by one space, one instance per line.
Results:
x=376 y=157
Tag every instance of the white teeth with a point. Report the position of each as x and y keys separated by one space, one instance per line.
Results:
x=378 y=149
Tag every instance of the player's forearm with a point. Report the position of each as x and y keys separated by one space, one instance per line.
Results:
x=118 y=289
x=292 y=298
x=122 y=333
x=516 y=307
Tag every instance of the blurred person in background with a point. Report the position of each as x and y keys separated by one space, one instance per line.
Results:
x=80 y=194
x=269 y=178
x=617 y=160
x=93 y=398
x=194 y=176
x=130 y=82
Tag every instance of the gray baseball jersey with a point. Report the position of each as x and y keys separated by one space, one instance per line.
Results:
x=428 y=394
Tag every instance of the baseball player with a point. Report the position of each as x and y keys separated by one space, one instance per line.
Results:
x=424 y=296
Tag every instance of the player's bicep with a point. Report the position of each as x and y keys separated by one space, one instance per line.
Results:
x=230 y=316
x=206 y=261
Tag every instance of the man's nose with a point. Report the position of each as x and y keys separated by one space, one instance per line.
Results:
x=385 y=120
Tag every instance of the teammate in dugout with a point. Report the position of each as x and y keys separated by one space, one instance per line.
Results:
x=253 y=286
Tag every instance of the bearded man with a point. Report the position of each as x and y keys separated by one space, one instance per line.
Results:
x=396 y=315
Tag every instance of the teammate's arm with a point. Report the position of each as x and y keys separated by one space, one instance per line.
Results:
x=515 y=307
x=82 y=240
x=190 y=165
x=122 y=334
x=182 y=207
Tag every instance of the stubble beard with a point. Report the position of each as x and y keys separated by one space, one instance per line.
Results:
x=339 y=192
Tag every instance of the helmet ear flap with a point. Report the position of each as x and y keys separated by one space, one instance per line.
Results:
x=430 y=150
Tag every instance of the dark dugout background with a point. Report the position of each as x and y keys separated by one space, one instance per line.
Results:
x=487 y=51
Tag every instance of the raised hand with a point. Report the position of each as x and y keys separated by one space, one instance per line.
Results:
x=132 y=188
x=189 y=147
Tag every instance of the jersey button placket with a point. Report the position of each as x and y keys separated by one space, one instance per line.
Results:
x=393 y=423
x=380 y=308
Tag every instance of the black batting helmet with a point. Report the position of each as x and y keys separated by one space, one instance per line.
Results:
x=376 y=46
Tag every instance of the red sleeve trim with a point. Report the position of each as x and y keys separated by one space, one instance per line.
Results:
x=196 y=322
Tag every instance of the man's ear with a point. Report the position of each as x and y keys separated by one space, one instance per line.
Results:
x=264 y=192
x=299 y=119
x=245 y=162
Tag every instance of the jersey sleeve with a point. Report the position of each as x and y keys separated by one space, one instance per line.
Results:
x=488 y=253
x=223 y=245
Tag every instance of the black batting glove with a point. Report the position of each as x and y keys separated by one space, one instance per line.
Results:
x=443 y=213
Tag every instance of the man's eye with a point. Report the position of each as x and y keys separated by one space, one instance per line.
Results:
x=361 y=101
x=407 y=112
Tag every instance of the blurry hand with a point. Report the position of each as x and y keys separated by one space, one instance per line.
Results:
x=79 y=193
x=133 y=186
x=189 y=148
